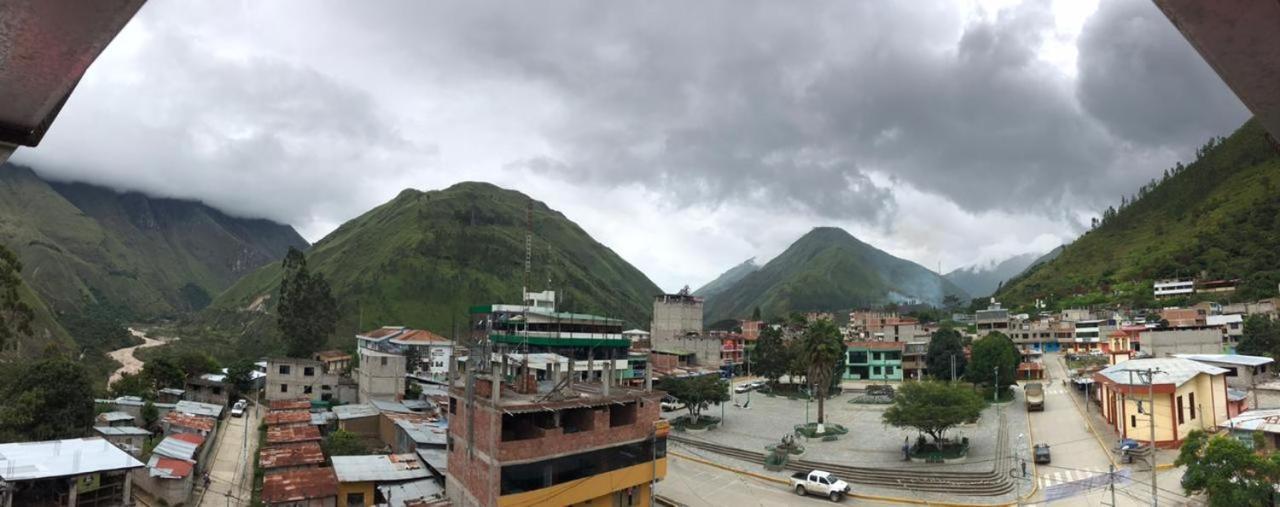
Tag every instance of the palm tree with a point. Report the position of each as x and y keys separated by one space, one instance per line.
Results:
x=822 y=350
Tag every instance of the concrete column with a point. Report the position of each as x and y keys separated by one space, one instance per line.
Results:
x=608 y=375
x=496 y=383
x=571 y=374
x=648 y=375
x=71 y=499
x=128 y=488
x=591 y=365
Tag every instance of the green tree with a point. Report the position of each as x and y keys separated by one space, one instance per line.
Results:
x=48 y=399
x=1227 y=471
x=133 y=384
x=1261 y=337
x=344 y=443
x=797 y=366
x=771 y=355
x=822 y=349
x=696 y=393
x=164 y=371
x=150 y=415
x=240 y=375
x=990 y=353
x=15 y=315
x=755 y=314
x=944 y=345
x=307 y=314
x=933 y=407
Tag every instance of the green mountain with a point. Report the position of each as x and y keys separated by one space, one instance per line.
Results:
x=423 y=258
x=82 y=244
x=727 y=279
x=982 y=280
x=828 y=269
x=1216 y=218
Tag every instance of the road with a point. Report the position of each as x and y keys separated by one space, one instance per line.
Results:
x=129 y=363
x=231 y=465
x=1077 y=474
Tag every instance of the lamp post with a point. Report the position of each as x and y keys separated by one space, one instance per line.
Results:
x=995 y=397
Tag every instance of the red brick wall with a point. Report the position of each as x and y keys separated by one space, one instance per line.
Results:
x=473 y=470
x=556 y=443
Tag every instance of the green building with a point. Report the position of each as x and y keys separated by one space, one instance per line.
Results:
x=873 y=360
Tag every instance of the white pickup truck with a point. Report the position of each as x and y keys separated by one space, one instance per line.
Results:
x=819 y=483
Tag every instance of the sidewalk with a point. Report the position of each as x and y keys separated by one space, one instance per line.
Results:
x=1109 y=438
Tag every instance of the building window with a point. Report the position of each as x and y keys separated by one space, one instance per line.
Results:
x=355 y=499
x=1179 y=410
x=306 y=389
x=284 y=388
x=1191 y=399
x=384 y=361
x=309 y=371
x=1133 y=421
x=284 y=369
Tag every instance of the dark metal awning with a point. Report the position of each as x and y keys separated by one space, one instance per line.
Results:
x=45 y=48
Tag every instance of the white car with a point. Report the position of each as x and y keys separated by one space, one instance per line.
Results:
x=742 y=388
x=819 y=483
x=237 y=410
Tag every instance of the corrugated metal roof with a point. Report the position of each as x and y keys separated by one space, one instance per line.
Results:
x=277 y=417
x=299 y=485
x=308 y=453
x=195 y=422
x=437 y=459
x=115 y=416
x=1173 y=370
x=176 y=448
x=400 y=495
x=345 y=412
x=61 y=458
x=322 y=418
x=423 y=433
x=173 y=390
x=1266 y=420
x=197 y=408
x=297 y=404
x=292 y=433
x=169 y=468
x=121 y=431
x=1233 y=359
x=379 y=468
x=390 y=406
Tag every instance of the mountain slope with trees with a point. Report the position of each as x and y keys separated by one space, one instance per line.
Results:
x=153 y=257
x=727 y=279
x=829 y=269
x=983 y=280
x=423 y=258
x=1215 y=218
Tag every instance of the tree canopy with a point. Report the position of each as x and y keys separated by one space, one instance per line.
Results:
x=344 y=443
x=15 y=315
x=48 y=399
x=933 y=407
x=821 y=350
x=1227 y=471
x=944 y=345
x=1261 y=337
x=307 y=314
x=696 y=393
x=770 y=358
x=990 y=353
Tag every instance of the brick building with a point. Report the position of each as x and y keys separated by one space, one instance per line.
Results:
x=585 y=443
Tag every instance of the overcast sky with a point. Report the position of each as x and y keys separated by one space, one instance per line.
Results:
x=687 y=136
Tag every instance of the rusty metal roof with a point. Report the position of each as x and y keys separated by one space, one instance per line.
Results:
x=292 y=433
x=194 y=422
x=298 y=404
x=277 y=417
x=291 y=455
x=299 y=485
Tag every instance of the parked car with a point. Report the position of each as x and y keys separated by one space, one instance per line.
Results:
x=237 y=410
x=756 y=385
x=742 y=388
x=819 y=483
x=669 y=404
x=1041 y=452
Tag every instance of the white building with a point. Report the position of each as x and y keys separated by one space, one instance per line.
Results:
x=1232 y=326
x=1174 y=287
x=636 y=335
x=1243 y=372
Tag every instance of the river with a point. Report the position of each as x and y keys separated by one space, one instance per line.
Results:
x=129 y=363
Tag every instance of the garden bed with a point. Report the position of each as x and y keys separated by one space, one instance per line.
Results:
x=949 y=451
x=685 y=423
x=829 y=430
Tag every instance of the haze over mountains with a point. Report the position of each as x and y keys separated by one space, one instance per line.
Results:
x=982 y=280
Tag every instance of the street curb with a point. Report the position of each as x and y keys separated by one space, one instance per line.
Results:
x=1035 y=469
x=864 y=496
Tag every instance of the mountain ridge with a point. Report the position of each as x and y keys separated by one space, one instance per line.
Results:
x=983 y=280
x=829 y=269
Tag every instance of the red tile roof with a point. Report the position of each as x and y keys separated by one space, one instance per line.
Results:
x=277 y=417
x=176 y=467
x=292 y=433
x=291 y=455
x=194 y=422
x=420 y=336
x=298 y=404
x=299 y=485
x=383 y=331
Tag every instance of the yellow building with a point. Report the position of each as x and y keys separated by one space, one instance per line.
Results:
x=1183 y=395
x=360 y=476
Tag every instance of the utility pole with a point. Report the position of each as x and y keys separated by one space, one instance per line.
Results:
x=1151 y=394
x=953 y=368
x=995 y=395
x=1112 y=475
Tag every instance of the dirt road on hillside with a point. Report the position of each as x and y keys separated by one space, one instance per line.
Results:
x=129 y=363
